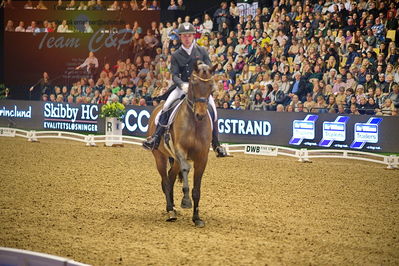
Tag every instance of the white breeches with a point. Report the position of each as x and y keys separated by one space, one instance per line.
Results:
x=177 y=93
x=174 y=95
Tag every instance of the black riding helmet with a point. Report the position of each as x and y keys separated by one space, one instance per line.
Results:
x=186 y=27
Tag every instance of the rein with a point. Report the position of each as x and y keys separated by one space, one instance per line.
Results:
x=202 y=79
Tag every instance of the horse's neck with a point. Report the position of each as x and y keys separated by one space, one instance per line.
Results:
x=186 y=114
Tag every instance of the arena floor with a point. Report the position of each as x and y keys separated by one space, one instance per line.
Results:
x=105 y=206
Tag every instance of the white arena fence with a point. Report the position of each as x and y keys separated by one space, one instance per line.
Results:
x=303 y=155
x=19 y=257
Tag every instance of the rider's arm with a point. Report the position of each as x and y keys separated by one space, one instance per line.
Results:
x=176 y=73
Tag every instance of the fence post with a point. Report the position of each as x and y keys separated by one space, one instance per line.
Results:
x=392 y=161
x=90 y=140
x=303 y=156
x=32 y=136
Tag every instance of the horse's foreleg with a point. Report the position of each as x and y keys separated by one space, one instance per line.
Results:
x=199 y=168
x=174 y=170
x=184 y=170
x=161 y=161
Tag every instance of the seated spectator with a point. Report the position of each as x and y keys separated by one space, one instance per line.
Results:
x=44 y=98
x=353 y=110
x=52 y=98
x=372 y=107
x=338 y=83
x=45 y=26
x=221 y=15
x=21 y=27
x=180 y=5
x=331 y=103
x=363 y=106
x=142 y=102
x=9 y=26
x=341 y=109
x=172 y=5
x=64 y=92
x=63 y=27
x=114 y=6
x=41 y=5
x=33 y=27
x=154 y=5
x=72 y=5
x=298 y=87
x=98 y=5
x=59 y=98
x=394 y=96
x=87 y=28
x=236 y=105
x=28 y=5
x=309 y=103
x=340 y=97
x=257 y=104
x=359 y=93
x=276 y=97
x=280 y=108
x=82 y=6
x=289 y=109
x=387 y=108
x=320 y=106
x=60 y=5
x=207 y=25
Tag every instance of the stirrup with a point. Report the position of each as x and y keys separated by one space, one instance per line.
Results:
x=152 y=143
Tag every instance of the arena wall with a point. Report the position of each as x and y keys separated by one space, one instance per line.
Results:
x=301 y=130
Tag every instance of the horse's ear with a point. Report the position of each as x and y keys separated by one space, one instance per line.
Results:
x=214 y=67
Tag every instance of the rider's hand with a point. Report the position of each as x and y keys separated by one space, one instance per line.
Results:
x=184 y=87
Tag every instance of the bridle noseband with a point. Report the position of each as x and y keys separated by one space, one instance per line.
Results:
x=191 y=103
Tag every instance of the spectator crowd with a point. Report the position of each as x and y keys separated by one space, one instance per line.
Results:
x=89 y=5
x=321 y=56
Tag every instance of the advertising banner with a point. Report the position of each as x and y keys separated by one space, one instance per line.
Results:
x=51 y=116
x=353 y=132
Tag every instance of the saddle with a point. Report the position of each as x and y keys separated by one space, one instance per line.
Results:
x=169 y=113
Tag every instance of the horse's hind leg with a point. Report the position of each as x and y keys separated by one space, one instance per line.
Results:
x=184 y=170
x=161 y=161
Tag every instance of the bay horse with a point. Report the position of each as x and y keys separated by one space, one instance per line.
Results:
x=190 y=134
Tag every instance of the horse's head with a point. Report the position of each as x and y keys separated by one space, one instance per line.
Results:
x=201 y=86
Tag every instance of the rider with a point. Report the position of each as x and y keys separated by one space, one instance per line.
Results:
x=182 y=65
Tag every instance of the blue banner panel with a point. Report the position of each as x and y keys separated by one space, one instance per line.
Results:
x=357 y=132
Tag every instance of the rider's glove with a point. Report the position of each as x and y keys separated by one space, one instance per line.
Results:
x=184 y=87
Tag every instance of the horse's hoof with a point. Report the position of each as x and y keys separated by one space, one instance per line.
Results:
x=171 y=216
x=186 y=203
x=199 y=223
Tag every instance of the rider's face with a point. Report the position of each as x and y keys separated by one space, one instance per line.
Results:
x=187 y=39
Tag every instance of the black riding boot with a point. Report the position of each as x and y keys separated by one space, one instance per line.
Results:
x=218 y=149
x=152 y=143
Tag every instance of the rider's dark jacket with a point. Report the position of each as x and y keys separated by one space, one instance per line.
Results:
x=182 y=64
